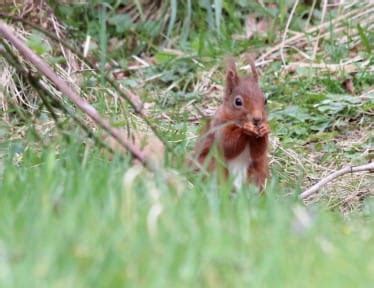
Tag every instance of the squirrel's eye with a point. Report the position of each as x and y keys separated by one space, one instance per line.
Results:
x=238 y=101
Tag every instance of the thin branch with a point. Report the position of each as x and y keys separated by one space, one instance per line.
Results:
x=44 y=94
x=132 y=99
x=350 y=169
x=83 y=105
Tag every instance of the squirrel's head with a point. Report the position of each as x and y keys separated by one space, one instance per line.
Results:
x=243 y=98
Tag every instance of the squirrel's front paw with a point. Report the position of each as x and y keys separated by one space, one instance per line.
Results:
x=250 y=129
x=263 y=130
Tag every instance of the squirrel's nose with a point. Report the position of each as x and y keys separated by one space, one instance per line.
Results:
x=256 y=120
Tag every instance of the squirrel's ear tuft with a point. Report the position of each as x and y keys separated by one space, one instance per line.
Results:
x=232 y=78
x=250 y=60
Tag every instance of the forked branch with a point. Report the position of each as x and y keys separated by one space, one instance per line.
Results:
x=350 y=169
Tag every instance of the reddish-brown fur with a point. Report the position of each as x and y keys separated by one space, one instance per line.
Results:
x=241 y=125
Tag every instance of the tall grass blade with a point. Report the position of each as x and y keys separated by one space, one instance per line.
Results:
x=364 y=39
x=103 y=40
x=173 y=16
x=140 y=9
x=187 y=21
x=208 y=7
x=218 y=14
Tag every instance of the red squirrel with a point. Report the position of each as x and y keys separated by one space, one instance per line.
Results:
x=239 y=129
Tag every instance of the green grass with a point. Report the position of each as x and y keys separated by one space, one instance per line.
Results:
x=77 y=220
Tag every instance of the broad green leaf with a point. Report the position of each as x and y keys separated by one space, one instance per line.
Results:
x=37 y=43
x=122 y=22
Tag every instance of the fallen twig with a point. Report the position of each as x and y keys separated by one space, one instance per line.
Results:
x=350 y=169
x=84 y=106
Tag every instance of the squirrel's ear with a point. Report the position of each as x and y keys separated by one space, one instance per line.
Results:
x=251 y=63
x=254 y=70
x=232 y=78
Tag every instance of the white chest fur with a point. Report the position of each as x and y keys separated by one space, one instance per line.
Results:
x=238 y=167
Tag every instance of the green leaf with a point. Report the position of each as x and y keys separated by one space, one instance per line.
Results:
x=292 y=111
x=164 y=57
x=122 y=22
x=36 y=42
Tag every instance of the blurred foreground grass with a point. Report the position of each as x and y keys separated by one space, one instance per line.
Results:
x=82 y=221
